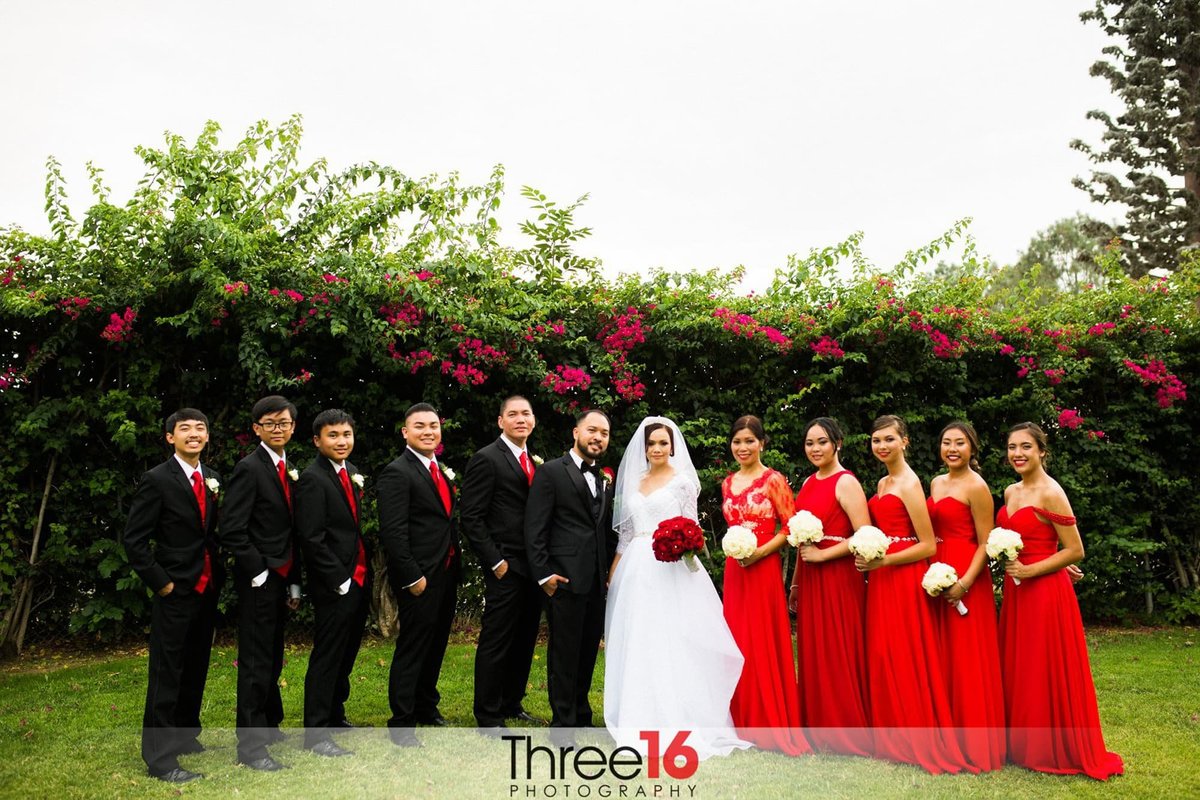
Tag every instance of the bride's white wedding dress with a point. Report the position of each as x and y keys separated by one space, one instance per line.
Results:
x=670 y=663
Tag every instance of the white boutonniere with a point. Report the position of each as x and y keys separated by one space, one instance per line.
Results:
x=539 y=460
x=358 y=479
x=213 y=485
x=449 y=473
x=294 y=474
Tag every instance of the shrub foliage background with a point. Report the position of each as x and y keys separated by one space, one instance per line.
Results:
x=235 y=272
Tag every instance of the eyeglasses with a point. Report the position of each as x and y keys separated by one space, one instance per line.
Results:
x=275 y=426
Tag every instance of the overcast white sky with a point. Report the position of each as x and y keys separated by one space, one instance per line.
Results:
x=708 y=134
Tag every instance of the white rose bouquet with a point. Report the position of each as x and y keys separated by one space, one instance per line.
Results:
x=869 y=542
x=1003 y=545
x=938 y=578
x=804 y=528
x=739 y=542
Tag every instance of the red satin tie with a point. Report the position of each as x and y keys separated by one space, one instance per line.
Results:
x=287 y=495
x=201 y=498
x=439 y=481
x=283 y=481
x=527 y=466
x=360 y=559
x=344 y=474
x=443 y=488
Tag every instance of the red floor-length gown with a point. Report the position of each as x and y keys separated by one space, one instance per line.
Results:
x=907 y=700
x=1049 y=698
x=970 y=648
x=830 y=611
x=765 y=706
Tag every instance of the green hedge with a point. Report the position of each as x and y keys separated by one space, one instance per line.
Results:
x=231 y=273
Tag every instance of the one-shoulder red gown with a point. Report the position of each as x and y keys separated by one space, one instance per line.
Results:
x=1049 y=697
x=970 y=648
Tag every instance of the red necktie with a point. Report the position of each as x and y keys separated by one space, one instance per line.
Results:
x=443 y=489
x=287 y=495
x=283 y=481
x=527 y=467
x=198 y=490
x=439 y=481
x=344 y=474
x=360 y=559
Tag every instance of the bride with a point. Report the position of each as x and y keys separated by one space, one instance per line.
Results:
x=670 y=662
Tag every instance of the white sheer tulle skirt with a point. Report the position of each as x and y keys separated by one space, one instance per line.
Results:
x=670 y=663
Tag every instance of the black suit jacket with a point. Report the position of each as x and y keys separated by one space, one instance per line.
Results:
x=492 y=515
x=414 y=528
x=325 y=525
x=562 y=535
x=256 y=523
x=164 y=509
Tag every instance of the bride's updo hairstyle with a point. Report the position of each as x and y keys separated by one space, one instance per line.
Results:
x=751 y=423
x=655 y=426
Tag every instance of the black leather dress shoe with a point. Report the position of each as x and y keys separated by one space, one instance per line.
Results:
x=329 y=748
x=179 y=775
x=435 y=721
x=342 y=723
x=275 y=735
x=404 y=737
x=524 y=716
x=264 y=764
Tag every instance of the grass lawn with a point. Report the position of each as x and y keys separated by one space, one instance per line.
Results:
x=73 y=730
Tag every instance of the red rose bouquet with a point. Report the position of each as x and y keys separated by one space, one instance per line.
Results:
x=676 y=538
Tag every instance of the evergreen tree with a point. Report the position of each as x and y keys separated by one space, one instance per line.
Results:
x=1154 y=67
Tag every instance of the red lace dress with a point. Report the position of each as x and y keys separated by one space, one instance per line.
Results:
x=970 y=650
x=765 y=706
x=830 y=609
x=907 y=700
x=1049 y=698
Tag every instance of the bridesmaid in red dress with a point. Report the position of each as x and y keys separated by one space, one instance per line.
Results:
x=765 y=705
x=961 y=508
x=829 y=597
x=1049 y=698
x=907 y=699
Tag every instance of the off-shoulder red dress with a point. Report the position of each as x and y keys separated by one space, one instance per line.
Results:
x=765 y=706
x=830 y=610
x=970 y=649
x=907 y=699
x=1049 y=697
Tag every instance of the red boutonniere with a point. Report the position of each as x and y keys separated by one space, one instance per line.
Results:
x=608 y=474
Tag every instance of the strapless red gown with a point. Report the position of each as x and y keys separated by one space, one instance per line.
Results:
x=970 y=649
x=765 y=706
x=907 y=699
x=1049 y=698
x=830 y=611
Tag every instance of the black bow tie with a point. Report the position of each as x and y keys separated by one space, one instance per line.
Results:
x=585 y=468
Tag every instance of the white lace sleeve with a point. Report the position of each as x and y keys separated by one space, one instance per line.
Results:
x=687 y=500
x=624 y=536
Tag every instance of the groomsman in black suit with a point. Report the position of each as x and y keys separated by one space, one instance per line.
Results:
x=416 y=527
x=495 y=489
x=256 y=527
x=176 y=506
x=570 y=543
x=327 y=502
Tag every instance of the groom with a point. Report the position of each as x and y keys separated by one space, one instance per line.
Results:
x=570 y=542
